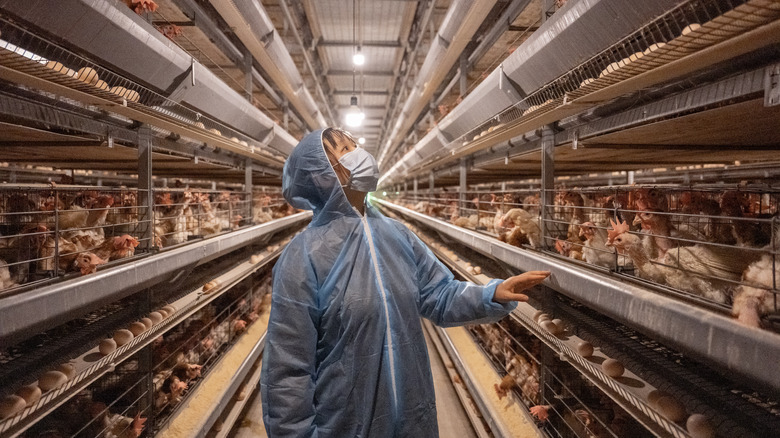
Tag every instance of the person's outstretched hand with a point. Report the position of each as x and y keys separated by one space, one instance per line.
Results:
x=512 y=288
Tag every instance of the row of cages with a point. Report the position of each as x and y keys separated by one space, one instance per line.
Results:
x=714 y=246
x=145 y=392
x=48 y=232
x=578 y=373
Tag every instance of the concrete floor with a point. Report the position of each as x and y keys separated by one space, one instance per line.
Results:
x=453 y=421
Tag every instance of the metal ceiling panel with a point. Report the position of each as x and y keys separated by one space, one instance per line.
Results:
x=378 y=58
x=367 y=83
x=363 y=101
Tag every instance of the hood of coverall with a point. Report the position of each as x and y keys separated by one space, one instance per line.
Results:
x=310 y=183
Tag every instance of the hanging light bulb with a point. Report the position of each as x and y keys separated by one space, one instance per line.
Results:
x=362 y=140
x=354 y=116
x=358 y=58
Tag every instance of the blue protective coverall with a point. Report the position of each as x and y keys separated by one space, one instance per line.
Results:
x=345 y=354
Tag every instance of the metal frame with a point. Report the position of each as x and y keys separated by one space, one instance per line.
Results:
x=710 y=337
x=25 y=314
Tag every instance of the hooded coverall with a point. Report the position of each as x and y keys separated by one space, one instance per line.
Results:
x=345 y=354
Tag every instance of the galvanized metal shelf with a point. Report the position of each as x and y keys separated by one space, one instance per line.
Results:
x=47 y=307
x=712 y=338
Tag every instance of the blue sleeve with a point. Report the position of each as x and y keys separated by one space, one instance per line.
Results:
x=448 y=302
x=289 y=356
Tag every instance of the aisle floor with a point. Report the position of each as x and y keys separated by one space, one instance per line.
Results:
x=452 y=418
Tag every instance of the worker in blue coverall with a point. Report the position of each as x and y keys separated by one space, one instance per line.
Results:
x=345 y=354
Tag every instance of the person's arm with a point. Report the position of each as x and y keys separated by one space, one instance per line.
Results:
x=449 y=302
x=289 y=357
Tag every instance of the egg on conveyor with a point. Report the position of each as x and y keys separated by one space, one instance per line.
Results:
x=122 y=337
x=102 y=85
x=690 y=28
x=107 y=346
x=156 y=317
x=551 y=327
x=671 y=408
x=256 y=258
x=653 y=48
x=51 y=380
x=585 y=349
x=612 y=368
x=88 y=75
x=147 y=322
x=163 y=312
x=30 y=393
x=137 y=328
x=68 y=369
x=170 y=309
x=699 y=426
x=215 y=131
x=11 y=405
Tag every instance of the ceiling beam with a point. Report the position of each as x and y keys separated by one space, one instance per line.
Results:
x=382 y=44
x=359 y=73
x=364 y=93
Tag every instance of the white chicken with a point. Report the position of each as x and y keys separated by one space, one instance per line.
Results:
x=707 y=271
x=522 y=223
x=595 y=250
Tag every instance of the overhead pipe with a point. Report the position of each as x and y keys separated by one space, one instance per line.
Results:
x=307 y=60
x=205 y=23
x=393 y=101
x=458 y=27
x=252 y=25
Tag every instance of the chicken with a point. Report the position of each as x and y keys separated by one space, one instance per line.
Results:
x=67 y=250
x=707 y=271
x=88 y=262
x=115 y=248
x=595 y=250
x=569 y=249
x=171 y=219
x=524 y=227
x=755 y=298
x=123 y=216
x=706 y=212
x=745 y=232
x=261 y=212
x=505 y=386
x=6 y=282
x=141 y=6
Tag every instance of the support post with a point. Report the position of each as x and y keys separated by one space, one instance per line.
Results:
x=462 y=189
x=415 y=188
x=248 y=188
x=430 y=184
x=145 y=186
x=548 y=184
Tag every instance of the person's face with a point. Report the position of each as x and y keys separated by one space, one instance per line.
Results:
x=337 y=145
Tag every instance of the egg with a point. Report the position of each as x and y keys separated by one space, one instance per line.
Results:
x=542 y=317
x=477 y=270
x=690 y=28
x=636 y=56
x=550 y=327
x=215 y=131
x=156 y=317
x=107 y=346
x=586 y=82
x=699 y=426
x=243 y=143
x=612 y=368
x=56 y=66
x=122 y=337
x=200 y=125
x=671 y=408
x=585 y=349
x=51 y=380
x=537 y=314
x=88 y=75
x=137 y=328
x=475 y=137
x=163 y=312
x=102 y=85
x=653 y=48
x=68 y=369
x=30 y=393
x=559 y=323
x=256 y=258
x=11 y=405
x=170 y=309
x=234 y=139
x=147 y=322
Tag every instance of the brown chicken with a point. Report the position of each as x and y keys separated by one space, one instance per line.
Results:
x=115 y=248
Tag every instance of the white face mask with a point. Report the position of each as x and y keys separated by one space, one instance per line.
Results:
x=364 y=172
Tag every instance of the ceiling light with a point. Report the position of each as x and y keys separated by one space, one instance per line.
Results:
x=362 y=140
x=358 y=58
x=354 y=115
